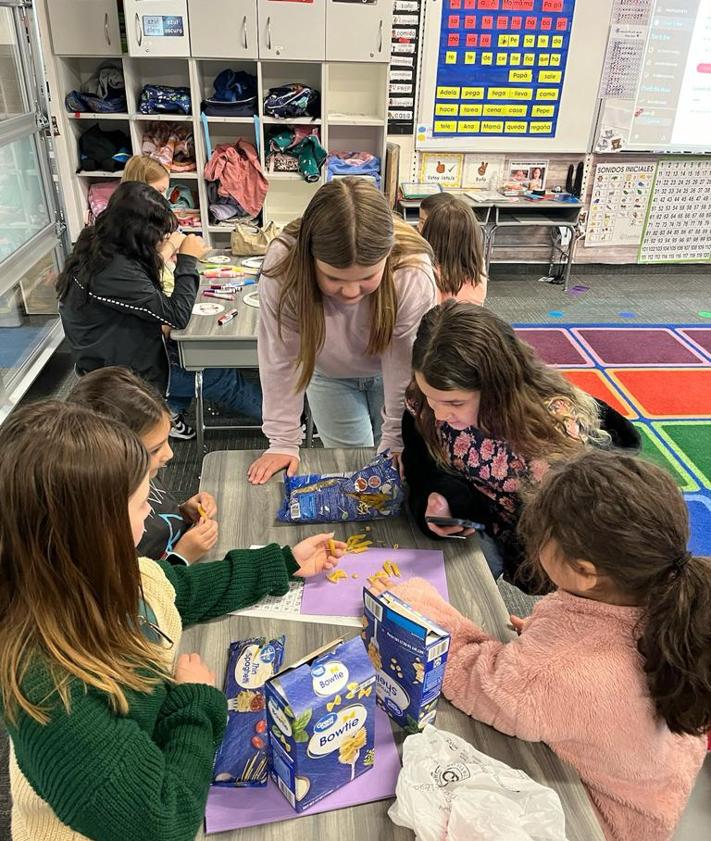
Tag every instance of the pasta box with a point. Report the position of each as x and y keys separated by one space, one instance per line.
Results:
x=321 y=722
x=409 y=653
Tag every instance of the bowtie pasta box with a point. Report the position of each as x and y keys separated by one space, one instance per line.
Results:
x=409 y=653
x=321 y=722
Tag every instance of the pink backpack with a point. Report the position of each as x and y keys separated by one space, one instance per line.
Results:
x=99 y=195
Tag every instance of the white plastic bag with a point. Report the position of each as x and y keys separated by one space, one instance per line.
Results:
x=449 y=790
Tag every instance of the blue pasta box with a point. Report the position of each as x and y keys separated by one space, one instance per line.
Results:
x=409 y=653
x=321 y=718
x=243 y=757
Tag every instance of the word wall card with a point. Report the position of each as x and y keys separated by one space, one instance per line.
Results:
x=402 y=76
x=501 y=67
x=618 y=205
x=678 y=227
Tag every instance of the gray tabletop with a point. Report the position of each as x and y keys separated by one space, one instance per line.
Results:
x=247 y=516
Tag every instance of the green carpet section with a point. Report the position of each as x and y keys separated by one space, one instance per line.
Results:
x=654 y=450
x=691 y=441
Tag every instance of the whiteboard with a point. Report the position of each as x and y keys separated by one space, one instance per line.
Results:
x=579 y=98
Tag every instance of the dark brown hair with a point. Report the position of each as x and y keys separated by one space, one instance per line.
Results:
x=430 y=203
x=346 y=223
x=119 y=394
x=455 y=235
x=627 y=517
x=69 y=575
x=464 y=347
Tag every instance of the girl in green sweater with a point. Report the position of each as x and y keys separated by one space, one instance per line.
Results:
x=112 y=737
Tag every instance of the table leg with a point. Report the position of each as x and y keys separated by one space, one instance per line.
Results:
x=490 y=247
x=569 y=261
x=199 y=415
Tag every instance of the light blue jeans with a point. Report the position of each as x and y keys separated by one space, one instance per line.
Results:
x=347 y=412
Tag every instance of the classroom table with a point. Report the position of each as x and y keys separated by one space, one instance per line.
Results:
x=497 y=214
x=205 y=344
x=247 y=517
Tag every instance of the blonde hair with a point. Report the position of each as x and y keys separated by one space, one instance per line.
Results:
x=144 y=169
x=70 y=582
x=347 y=223
x=454 y=233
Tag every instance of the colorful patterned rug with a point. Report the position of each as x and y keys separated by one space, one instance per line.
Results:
x=658 y=376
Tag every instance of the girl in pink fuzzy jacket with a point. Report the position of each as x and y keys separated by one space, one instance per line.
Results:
x=613 y=670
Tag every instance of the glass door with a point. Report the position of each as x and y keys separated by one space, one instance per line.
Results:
x=32 y=231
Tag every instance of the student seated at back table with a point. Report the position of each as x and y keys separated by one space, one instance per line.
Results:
x=613 y=670
x=180 y=533
x=454 y=233
x=112 y=737
x=429 y=203
x=113 y=308
x=485 y=418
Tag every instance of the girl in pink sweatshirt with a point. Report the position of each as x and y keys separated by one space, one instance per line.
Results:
x=613 y=670
x=341 y=294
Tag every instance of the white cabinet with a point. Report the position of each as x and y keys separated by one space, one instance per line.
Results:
x=358 y=30
x=84 y=27
x=223 y=28
x=292 y=31
x=157 y=27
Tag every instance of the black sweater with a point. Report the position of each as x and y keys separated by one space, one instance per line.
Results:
x=119 y=321
x=424 y=476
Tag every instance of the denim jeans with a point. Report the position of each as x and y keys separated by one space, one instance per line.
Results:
x=225 y=386
x=347 y=412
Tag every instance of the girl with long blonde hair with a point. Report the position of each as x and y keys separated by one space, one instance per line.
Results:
x=112 y=737
x=342 y=292
x=485 y=418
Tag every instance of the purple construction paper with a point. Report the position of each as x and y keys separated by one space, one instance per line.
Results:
x=236 y=808
x=345 y=598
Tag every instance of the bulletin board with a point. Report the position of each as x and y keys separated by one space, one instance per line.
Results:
x=511 y=75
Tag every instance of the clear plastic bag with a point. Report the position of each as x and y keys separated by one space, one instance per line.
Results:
x=449 y=791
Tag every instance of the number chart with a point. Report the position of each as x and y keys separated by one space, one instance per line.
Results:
x=501 y=67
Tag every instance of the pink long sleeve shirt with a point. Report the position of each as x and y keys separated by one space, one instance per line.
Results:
x=343 y=354
x=574 y=680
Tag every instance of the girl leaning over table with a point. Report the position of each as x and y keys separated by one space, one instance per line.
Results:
x=342 y=292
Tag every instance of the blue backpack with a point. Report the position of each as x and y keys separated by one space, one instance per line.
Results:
x=292 y=100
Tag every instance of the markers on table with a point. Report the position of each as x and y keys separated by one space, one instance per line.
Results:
x=226 y=318
x=223 y=296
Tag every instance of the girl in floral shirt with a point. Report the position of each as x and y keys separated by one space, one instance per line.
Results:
x=485 y=418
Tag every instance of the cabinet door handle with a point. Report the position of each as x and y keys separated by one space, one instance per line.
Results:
x=269 y=33
x=106 y=28
x=244 y=32
x=380 y=37
x=139 y=31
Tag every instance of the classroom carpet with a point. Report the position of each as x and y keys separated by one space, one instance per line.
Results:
x=658 y=376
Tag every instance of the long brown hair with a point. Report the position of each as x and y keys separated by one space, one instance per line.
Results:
x=347 y=223
x=119 y=394
x=627 y=517
x=455 y=235
x=466 y=347
x=69 y=574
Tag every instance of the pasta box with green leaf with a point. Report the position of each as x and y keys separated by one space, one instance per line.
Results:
x=321 y=722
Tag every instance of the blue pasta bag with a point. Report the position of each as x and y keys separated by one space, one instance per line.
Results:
x=243 y=756
x=371 y=493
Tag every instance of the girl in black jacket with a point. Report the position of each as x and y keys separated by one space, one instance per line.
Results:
x=485 y=418
x=112 y=306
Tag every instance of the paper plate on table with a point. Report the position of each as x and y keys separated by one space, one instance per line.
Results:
x=207 y=308
x=254 y=263
x=251 y=299
x=218 y=258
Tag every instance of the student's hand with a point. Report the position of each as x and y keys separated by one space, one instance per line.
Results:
x=313 y=555
x=166 y=330
x=398 y=465
x=516 y=623
x=190 y=509
x=197 y=541
x=194 y=246
x=190 y=668
x=379 y=586
x=262 y=470
x=437 y=506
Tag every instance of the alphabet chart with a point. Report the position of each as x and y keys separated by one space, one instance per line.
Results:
x=678 y=227
x=501 y=67
x=618 y=205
